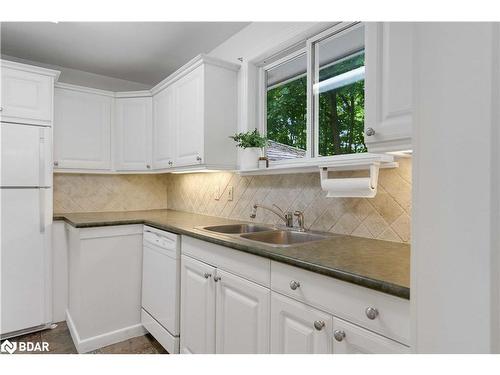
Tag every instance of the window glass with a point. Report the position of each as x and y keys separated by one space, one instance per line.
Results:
x=286 y=109
x=339 y=93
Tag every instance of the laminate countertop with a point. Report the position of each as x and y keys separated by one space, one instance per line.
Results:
x=380 y=265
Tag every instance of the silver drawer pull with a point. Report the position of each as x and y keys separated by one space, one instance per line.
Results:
x=294 y=285
x=207 y=275
x=339 y=335
x=371 y=313
x=217 y=278
x=319 y=325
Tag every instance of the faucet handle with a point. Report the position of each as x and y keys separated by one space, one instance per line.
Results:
x=300 y=219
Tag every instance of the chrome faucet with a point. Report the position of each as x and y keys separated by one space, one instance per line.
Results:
x=287 y=217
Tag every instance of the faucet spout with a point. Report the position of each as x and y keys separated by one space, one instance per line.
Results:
x=287 y=217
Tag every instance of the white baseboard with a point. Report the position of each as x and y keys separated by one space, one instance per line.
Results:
x=96 y=342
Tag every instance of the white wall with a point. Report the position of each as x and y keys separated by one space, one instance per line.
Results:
x=79 y=77
x=453 y=248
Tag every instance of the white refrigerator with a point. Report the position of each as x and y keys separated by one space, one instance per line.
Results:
x=26 y=218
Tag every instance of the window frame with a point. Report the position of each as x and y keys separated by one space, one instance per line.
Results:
x=312 y=131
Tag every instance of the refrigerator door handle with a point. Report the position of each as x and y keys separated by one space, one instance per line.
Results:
x=41 y=201
x=41 y=159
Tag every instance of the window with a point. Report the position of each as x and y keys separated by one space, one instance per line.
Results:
x=332 y=121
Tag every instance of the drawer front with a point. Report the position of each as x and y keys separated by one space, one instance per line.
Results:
x=248 y=266
x=345 y=300
x=351 y=339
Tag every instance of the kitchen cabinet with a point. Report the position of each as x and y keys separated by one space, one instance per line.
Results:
x=163 y=129
x=242 y=315
x=132 y=138
x=297 y=328
x=195 y=113
x=197 y=307
x=82 y=128
x=218 y=309
x=388 y=86
x=27 y=93
x=351 y=339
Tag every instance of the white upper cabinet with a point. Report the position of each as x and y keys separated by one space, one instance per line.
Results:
x=27 y=93
x=132 y=139
x=388 y=86
x=82 y=128
x=163 y=129
x=189 y=135
x=195 y=112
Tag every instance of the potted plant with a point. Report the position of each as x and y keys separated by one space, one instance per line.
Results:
x=252 y=144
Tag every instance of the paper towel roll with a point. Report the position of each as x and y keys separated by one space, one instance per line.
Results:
x=359 y=187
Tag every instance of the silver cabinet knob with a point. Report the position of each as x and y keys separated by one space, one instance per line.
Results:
x=319 y=325
x=371 y=313
x=1 y=109
x=198 y=158
x=207 y=275
x=294 y=284
x=148 y=166
x=369 y=132
x=339 y=335
x=170 y=162
x=217 y=278
x=56 y=163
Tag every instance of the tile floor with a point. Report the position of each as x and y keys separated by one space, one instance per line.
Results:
x=60 y=342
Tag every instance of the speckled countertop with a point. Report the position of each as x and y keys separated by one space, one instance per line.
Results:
x=375 y=264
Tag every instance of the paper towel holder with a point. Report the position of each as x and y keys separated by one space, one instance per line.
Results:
x=361 y=187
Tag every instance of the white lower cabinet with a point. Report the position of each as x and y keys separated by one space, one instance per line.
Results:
x=351 y=339
x=197 y=307
x=221 y=312
x=297 y=328
x=242 y=315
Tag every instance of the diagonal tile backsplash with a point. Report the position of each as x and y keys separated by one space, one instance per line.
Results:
x=387 y=216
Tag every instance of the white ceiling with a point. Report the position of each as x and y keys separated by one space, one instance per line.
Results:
x=144 y=52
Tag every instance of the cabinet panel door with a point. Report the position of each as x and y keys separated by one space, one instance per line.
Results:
x=163 y=128
x=197 y=307
x=293 y=330
x=242 y=310
x=82 y=128
x=358 y=340
x=388 y=85
x=133 y=126
x=26 y=97
x=189 y=134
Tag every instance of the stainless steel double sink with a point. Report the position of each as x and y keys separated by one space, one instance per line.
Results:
x=267 y=234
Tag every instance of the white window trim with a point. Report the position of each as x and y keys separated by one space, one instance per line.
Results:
x=312 y=136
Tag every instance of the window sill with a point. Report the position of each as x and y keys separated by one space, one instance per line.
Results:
x=339 y=163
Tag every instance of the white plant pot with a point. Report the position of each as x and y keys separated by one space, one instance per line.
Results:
x=249 y=158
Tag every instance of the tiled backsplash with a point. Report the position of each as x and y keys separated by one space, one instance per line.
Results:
x=96 y=192
x=387 y=216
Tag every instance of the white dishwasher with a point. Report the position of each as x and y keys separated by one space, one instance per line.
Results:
x=161 y=286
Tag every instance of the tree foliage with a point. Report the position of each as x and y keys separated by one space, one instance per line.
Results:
x=341 y=112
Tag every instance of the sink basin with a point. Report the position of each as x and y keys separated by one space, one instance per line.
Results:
x=284 y=237
x=237 y=228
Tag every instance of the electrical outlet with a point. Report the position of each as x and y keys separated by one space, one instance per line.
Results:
x=217 y=192
x=230 y=193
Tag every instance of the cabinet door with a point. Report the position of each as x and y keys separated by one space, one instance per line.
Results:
x=197 y=307
x=189 y=129
x=82 y=127
x=26 y=97
x=163 y=128
x=351 y=339
x=133 y=133
x=388 y=85
x=242 y=310
x=293 y=328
